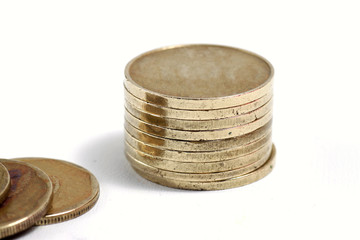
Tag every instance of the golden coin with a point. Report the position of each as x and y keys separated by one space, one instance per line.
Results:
x=245 y=179
x=199 y=125
x=28 y=200
x=204 y=156
x=244 y=111
x=198 y=135
x=199 y=77
x=197 y=177
x=199 y=167
x=76 y=190
x=4 y=183
x=211 y=145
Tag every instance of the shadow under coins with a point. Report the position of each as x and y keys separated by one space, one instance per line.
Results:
x=105 y=158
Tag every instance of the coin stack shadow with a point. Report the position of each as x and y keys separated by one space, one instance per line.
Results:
x=199 y=117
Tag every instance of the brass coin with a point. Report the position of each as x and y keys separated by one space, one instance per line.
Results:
x=197 y=177
x=4 y=183
x=76 y=190
x=199 y=167
x=211 y=145
x=245 y=179
x=198 y=135
x=199 y=125
x=28 y=200
x=243 y=111
x=204 y=156
x=198 y=77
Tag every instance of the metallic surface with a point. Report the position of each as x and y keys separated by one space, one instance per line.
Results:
x=203 y=156
x=76 y=190
x=198 y=135
x=215 y=185
x=199 y=167
x=28 y=200
x=198 y=124
x=225 y=77
x=4 y=183
x=211 y=114
x=211 y=145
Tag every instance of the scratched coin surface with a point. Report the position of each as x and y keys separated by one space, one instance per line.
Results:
x=28 y=200
x=4 y=183
x=76 y=190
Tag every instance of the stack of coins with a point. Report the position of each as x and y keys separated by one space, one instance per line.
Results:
x=199 y=116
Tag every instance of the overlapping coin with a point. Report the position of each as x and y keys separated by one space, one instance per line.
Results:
x=199 y=116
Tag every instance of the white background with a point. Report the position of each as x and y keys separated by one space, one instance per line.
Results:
x=61 y=96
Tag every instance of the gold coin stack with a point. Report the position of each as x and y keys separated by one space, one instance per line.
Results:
x=199 y=116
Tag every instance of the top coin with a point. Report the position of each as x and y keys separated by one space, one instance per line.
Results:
x=199 y=77
x=4 y=183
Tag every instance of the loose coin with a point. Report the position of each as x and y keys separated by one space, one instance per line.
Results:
x=28 y=200
x=204 y=156
x=215 y=185
x=198 y=77
x=211 y=145
x=244 y=111
x=76 y=190
x=4 y=183
x=199 y=167
x=198 y=125
x=198 y=135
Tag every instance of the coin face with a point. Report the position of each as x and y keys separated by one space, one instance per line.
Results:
x=28 y=200
x=4 y=183
x=76 y=190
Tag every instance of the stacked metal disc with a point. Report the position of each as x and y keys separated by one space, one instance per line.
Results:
x=199 y=116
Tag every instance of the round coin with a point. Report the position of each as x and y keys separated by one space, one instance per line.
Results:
x=198 y=77
x=28 y=200
x=76 y=190
x=4 y=183
x=211 y=145
x=245 y=179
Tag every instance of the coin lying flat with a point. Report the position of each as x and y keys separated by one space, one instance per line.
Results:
x=199 y=167
x=204 y=156
x=28 y=200
x=198 y=77
x=198 y=135
x=4 y=183
x=211 y=145
x=198 y=125
x=241 y=111
x=242 y=180
x=76 y=190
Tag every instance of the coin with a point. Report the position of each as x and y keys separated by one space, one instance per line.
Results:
x=210 y=145
x=199 y=167
x=198 y=177
x=198 y=77
x=245 y=179
x=209 y=124
x=4 y=183
x=203 y=156
x=242 y=111
x=28 y=200
x=198 y=135
x=76 y=190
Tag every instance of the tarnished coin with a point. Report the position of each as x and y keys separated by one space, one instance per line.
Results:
x=199 y=167
x=245 y=179
x=198 y=77
x=198 y=135
x=210 y=145
x=76 y=190
x=4 y=183
x=28 y=200
x=198 y=125
x=203 y=156
x=244 y=111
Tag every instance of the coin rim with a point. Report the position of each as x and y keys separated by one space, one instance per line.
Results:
x=5 y=188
